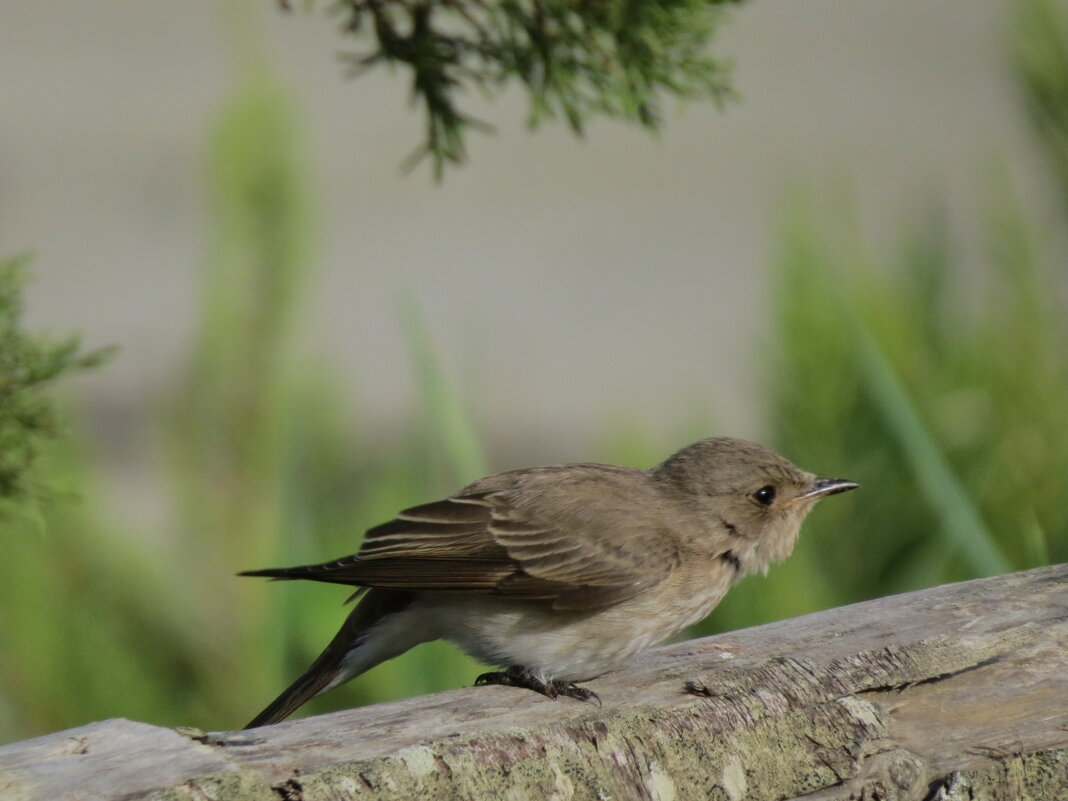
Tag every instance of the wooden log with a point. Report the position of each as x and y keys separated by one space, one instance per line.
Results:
x=956 y=692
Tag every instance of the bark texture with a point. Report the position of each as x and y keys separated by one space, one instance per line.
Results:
x=953 y=693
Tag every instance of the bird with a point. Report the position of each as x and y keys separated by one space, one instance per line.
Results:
x=559 y=574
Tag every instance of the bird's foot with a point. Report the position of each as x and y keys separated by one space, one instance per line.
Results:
x=520 y=677
x=572 y=690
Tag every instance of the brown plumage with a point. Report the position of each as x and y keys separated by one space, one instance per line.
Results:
x=561 y=573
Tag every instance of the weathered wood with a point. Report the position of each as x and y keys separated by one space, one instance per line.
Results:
x=958 y=692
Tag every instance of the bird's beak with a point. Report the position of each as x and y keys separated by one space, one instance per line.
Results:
x=829 y=486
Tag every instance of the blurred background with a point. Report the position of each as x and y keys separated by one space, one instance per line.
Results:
x=860 y=263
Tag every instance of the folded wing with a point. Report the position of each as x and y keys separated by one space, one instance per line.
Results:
x=565 y=535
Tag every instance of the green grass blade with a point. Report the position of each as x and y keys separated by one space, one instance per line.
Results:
x=935 y=477
x=444 y=410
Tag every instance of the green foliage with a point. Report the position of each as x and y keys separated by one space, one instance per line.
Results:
x=950 y=414
x=28 y=419
x=935 y=379
x=228 y=429
x=266 y=467
x=112 y=622
x=617 y=58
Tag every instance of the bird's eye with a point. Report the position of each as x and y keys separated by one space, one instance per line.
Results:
x=765 y=495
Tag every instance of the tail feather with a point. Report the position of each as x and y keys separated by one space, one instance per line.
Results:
x=317 y=572
x=332 y=667
x=309 y=685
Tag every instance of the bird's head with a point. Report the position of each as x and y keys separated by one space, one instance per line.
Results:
x=757 y=496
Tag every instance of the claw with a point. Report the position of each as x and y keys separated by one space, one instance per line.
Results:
x=516 y=676
x=572 y=690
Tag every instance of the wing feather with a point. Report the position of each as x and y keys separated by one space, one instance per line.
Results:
x=567 y=535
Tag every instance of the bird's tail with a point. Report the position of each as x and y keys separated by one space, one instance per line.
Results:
x=372 y=633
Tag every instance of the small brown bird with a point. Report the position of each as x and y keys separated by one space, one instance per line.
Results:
x=561 y=573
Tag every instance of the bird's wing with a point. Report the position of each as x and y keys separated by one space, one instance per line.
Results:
x=530 y=534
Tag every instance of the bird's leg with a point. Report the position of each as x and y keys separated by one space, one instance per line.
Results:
x=516 y=676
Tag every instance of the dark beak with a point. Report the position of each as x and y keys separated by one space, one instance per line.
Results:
x=829 y=486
